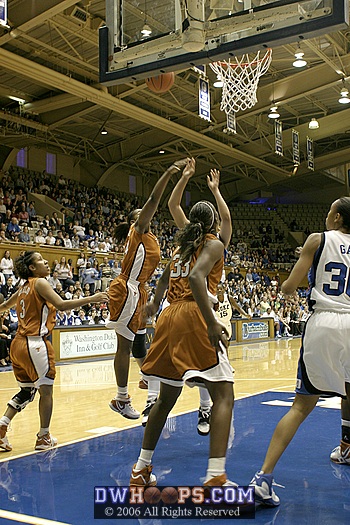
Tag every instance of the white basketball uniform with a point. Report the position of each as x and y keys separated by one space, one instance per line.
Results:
x=324 y=364
x=224 y=313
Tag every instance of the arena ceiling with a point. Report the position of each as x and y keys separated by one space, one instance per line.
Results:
x=49 y=57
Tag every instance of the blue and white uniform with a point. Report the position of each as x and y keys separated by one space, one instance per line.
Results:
x=324 y=364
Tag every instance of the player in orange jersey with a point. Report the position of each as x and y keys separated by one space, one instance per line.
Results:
x=31 y=352
x=190 y=343
x=127 y=291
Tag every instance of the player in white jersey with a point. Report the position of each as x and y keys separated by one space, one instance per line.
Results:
x=324 y=364
x=225 y=306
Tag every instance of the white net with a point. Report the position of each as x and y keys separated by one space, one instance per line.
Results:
x=240 y=77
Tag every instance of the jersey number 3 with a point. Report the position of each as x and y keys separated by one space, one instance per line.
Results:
x=340 y=278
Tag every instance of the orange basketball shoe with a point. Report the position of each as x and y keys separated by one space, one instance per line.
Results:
x=45 y=442
x=143 y=477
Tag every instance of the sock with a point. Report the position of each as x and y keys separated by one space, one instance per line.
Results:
x=153 y=388
x=216 y=467
x=345 y=430
x=144 y=459
x=5 y=421
x=43 y=431
x=204 y=399
x=122 y=393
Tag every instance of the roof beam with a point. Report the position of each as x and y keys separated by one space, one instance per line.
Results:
x=53 y=79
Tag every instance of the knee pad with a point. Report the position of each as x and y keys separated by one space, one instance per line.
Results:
x=22 y=398
x=139 y=346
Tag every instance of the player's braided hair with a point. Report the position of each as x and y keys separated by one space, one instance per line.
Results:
x=122 y=229
x=343 y=208
x=203 y=219
x=22 y=263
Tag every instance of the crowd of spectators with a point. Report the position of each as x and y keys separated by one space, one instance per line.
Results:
x=90 y=216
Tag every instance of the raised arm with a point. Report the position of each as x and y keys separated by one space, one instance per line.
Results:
x=150 y=207
x=174 y=202
x=213 y=180
x=210 y=254
x=47 y=292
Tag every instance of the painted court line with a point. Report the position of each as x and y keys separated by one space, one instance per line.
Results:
x=31 y=520
x=79 y=440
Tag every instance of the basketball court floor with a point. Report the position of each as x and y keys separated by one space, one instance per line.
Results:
x=97 y=447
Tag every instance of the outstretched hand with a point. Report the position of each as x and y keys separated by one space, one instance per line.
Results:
x=213 y=180
x=190 y=168
x=180 y=164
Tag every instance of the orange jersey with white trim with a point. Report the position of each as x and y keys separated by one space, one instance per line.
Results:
x=179 y=287
x=142 y=255
x=36 y=317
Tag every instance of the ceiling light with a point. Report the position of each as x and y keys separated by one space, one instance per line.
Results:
x=104 y=131
x=218 y=83
x=313 y=124
x=17 y=99
x=273 y=112
x=161 y=151
x=344 y=95
x=299 y=61
x=146 y=30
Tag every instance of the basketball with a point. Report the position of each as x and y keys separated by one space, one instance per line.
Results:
x=169 y=495
x=151 y=495
x=161 y=83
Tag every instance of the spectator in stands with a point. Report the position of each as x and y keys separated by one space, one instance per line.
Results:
x=53 y=280
x=39 y=237
x=61 y=318
x=105 y=273
x=81 y=264
x=64 y=273
x=13 y=229
x=59 y=239
x=104 y=316
x=3 y=237
x=276 y=323
x=46 y=224
x=2 y=207
x=81 y=318
x=31 y=212
x=6 y=265
x=9 y=288
x=67 y=241
x=50 y=239
x=23 y=215
x=89 y=277
x=24 y=235
x=5 y=341
x=69 y=292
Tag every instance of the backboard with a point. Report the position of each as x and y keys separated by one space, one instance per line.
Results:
x=144 y=38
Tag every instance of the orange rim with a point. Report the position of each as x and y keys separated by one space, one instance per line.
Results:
x=246 y=64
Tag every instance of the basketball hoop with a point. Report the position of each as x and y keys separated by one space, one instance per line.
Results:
x=240 y=77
